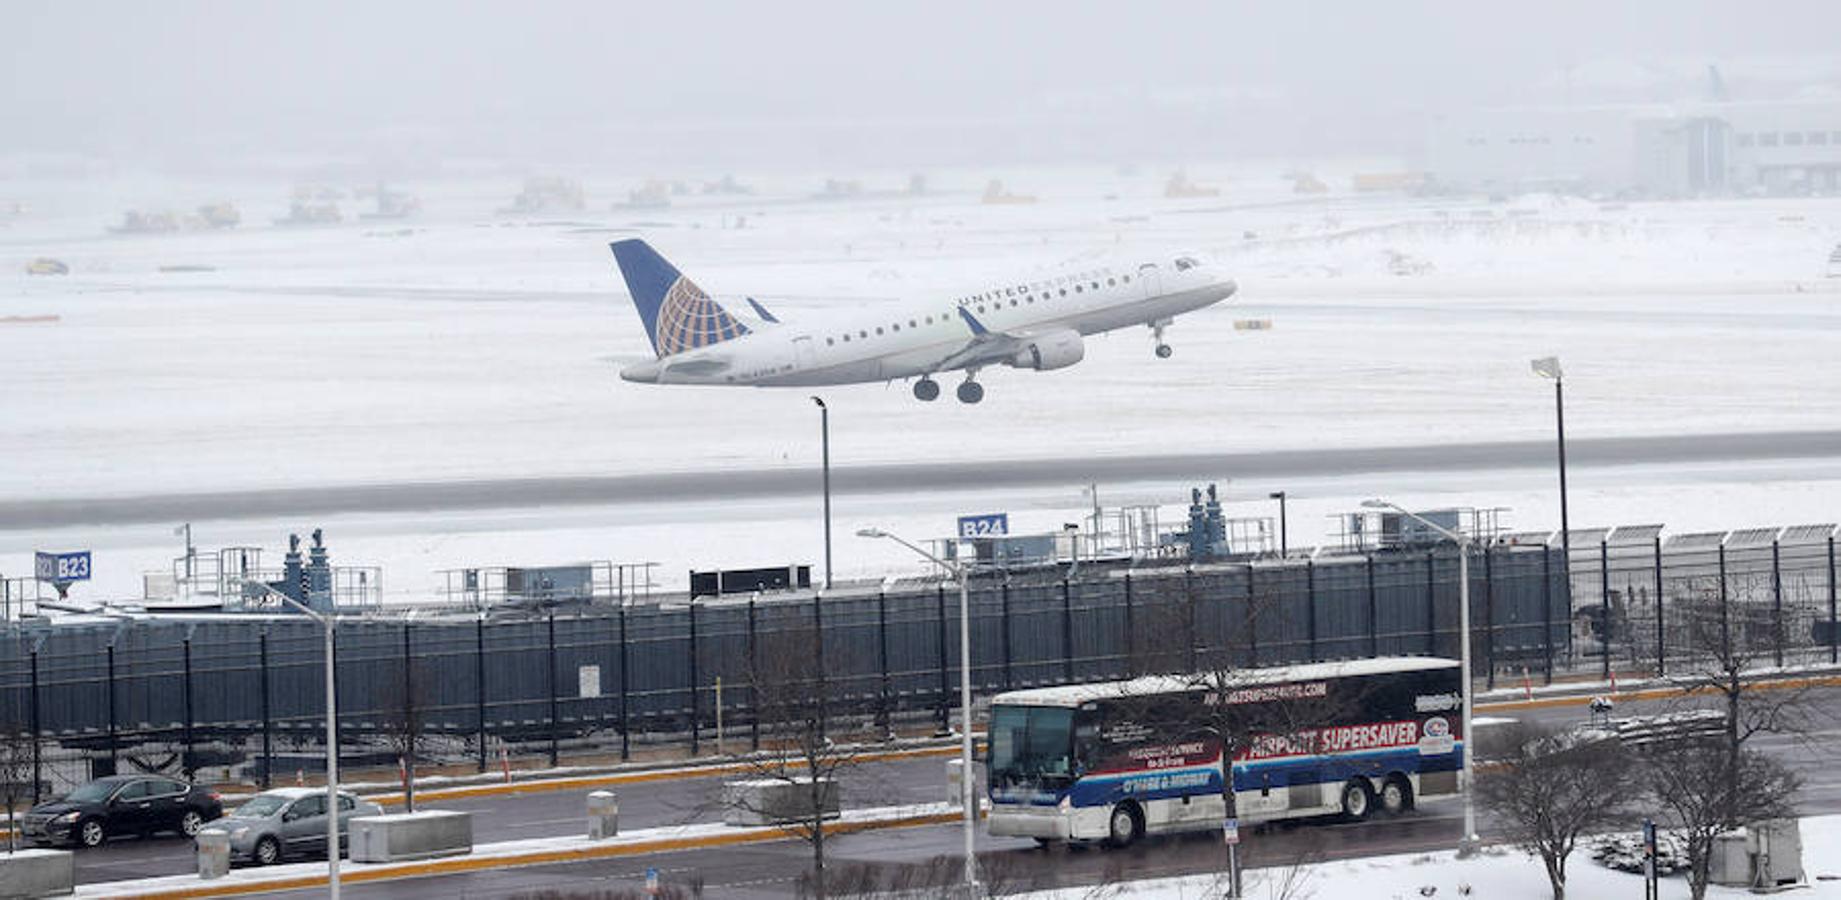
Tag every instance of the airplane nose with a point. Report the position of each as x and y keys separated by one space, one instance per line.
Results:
x=645 y=373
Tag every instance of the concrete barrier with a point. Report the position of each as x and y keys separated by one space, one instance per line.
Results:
x=776 y=802
x=37 y=873
x=213 y=853
x=603 y=815
x=407 y=836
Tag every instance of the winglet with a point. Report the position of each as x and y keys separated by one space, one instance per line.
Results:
x=977 y=327
x=761 y=311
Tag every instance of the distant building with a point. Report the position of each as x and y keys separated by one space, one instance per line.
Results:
x=1682 y=149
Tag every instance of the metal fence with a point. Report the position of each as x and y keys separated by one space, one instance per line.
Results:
x=247 y=689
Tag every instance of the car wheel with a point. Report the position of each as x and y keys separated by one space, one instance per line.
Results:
x=268 y=852
x=1396 y=796
x=1124 y=828
x=90 y=833
x=1357 y=801
x=190 y=823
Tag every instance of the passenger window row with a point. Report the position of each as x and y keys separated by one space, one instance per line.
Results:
x=1030 y=298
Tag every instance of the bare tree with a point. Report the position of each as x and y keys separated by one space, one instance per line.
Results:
x=1705 y=791
x=15 y=777
x=403 y=720
x=791 y=706
x=1553 y=789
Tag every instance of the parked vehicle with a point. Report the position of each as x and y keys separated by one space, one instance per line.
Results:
x=122 y=804
x=288 y=823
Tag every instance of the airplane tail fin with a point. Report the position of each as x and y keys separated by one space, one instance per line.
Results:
x=677 y=314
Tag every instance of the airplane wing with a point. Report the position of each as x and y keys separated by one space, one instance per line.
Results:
x=986 y=347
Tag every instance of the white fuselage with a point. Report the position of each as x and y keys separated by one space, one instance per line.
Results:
x=912 y=340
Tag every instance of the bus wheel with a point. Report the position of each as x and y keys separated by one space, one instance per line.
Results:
x=1357 y=801
x=1125 y=827
x=1396 y=796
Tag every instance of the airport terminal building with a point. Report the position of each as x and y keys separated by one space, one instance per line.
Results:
x=1776 y=147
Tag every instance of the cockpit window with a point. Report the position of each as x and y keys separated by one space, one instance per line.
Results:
x=1185 y=262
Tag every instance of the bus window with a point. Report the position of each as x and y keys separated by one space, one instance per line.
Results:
x=1031 y=745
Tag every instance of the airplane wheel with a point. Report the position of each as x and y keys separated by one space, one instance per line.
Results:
x=926 y=389
x=971 y=392
x=1164 y=351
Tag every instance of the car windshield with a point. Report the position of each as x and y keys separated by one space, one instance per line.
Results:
x=1031 y=744
x=260 y=806
x=93 y=792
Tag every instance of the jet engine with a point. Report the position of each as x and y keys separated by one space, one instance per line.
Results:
x=1053 y=350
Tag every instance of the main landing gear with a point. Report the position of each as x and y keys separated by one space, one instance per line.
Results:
x=927 y=390
x=1163 y=349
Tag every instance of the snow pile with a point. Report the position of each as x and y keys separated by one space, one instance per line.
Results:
x=1497 y=874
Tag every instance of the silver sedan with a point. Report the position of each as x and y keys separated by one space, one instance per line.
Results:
x=289 y=823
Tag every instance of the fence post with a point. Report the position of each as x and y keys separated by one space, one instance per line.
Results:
x=1547 y=607
x=268 y=732
x=555 y=754
x=696 y=734
x=1374 y=609
x=37 y=760
x=1777 y=601
x=1131 y=629
x=1661 y=648
x=1489 y=615
x=1005 y=629
x=412 y=729
x=185 y=759
x=754 y=709
x=1250 y=621
x=945 y=692
x=1310 y=605
x=1604 y=606
x=1067 y=632
x=1725 y=617
x=1189 y=605
x=884 y=716
x=112 y=751
x=1834 y=628
x=479 y=686
x=824 y=688
x=1431 y=603
x=626 y=680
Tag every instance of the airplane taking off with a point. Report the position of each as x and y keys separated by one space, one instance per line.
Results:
x=1027 y=323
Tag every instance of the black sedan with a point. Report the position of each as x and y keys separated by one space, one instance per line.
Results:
x=122 y=804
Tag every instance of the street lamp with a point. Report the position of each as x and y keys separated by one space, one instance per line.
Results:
x=332 y=734
x=1549 y=367
x=1283 y=548
x=1468 y=843
x=970 y=811
x=824 y=426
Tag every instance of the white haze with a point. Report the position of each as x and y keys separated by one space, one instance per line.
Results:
x=401 y=87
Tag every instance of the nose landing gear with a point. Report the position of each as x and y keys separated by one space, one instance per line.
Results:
x=1163 y=349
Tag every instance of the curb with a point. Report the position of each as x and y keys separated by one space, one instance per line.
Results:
x=1656 y=693
x=462 y=864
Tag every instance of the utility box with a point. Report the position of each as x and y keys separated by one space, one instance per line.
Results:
x=603 y=815
x=416 y=835
x=1776 y=848
x=955 y=779
x=1729 y=864
x=213 y=853
x=775 y=802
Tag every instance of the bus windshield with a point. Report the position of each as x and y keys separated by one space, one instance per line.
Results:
x=1031 y=744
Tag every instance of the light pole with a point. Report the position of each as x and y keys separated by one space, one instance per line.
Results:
x=332 y=734
x=1468 y=843
x=1549 y=367
x=1283 y=548
x=824 y=427
x=970 y=817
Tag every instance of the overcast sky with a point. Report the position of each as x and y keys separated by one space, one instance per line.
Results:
x=727 y=82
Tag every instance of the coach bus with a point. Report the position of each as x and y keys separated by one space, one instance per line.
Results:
x=1118 y=760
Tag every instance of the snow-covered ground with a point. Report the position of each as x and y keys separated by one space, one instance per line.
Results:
x=465 y=345
x=1499 y=874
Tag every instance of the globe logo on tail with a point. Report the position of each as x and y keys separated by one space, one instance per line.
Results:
x=689 y=319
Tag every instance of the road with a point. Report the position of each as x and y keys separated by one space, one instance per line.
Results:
x=770 y=870
x=729 y=485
